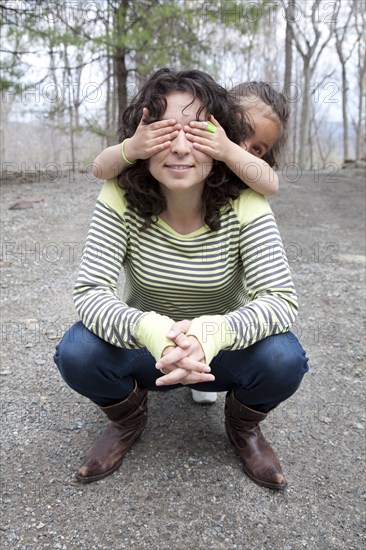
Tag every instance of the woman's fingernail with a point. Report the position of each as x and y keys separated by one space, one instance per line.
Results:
x=170 y=333
x=207 y=369
x=158 y=382
x=158 y=366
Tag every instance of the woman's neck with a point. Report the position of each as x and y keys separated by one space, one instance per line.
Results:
x=184 y=211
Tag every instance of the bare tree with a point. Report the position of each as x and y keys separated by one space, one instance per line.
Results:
x=289 y=11
x=340 y=32
x=120 y=23
x=289 y=154
x=110 y=96
x=360 y=25
x=311 y=34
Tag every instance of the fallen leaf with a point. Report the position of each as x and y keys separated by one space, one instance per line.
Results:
x=26 y=202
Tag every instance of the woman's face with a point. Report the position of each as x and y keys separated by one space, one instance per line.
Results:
x=181 y=167
x=266 y=129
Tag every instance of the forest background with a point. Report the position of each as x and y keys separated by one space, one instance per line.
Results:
x=70 y=68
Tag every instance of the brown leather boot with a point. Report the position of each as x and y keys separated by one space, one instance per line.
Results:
x=260 y=461
x=128 y=420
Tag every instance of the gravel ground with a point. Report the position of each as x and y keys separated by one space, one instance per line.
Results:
x=182 y=486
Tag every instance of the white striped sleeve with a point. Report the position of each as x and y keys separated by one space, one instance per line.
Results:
x=95 y=295
x=273 y=305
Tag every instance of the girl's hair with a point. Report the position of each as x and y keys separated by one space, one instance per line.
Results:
x=262 y=92
x=142 y=190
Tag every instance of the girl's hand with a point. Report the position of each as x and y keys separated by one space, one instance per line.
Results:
x=215 y=145
x=150 y=139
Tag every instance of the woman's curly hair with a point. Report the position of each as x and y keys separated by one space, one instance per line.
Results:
x=262 y=92
x=142 y=190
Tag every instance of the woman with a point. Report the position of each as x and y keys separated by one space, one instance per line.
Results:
x=208 y=297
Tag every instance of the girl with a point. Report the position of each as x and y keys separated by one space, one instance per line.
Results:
x=150 y=139
x=267 y=116
x=209 y=298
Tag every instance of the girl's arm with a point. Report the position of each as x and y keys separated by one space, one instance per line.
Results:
x=109 y=163
x=148 y=140
x=253 y=171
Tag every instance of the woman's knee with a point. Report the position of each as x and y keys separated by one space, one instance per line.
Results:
x=285 y=362
x=75 y=352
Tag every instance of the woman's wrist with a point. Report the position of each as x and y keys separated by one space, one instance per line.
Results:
x=151 y=331
x=212 y=333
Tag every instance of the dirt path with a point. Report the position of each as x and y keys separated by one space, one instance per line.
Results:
x=182 y=486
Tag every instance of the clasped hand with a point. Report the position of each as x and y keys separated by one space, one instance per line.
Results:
x=185 y=362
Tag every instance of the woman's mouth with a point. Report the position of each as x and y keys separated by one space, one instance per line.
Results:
x=179 y=167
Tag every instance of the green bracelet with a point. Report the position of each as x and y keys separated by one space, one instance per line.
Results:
x=124 y=158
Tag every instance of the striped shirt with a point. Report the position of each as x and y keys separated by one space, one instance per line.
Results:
x=234 y=283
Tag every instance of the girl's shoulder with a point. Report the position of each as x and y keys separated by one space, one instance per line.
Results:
x=112 y=195
x=250 y=206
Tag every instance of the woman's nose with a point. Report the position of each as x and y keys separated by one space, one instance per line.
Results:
x=181 y=145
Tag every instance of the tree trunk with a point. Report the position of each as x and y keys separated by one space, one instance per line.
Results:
x=360 y=139
x=289 y=155
x=305 y=116
x=119 y=59
x=76 y=88
x=108 y=101
x=121 y=72
x=340 y=34
x=288 y=48
x=317 y=139
x=55 y=114
x=109 y=84
x=345 y=114
x=114 y=105
x=70 y=107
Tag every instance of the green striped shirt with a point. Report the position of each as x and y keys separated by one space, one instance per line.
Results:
x=234 y=283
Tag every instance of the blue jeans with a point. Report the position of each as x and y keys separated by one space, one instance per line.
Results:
x=262 y=375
